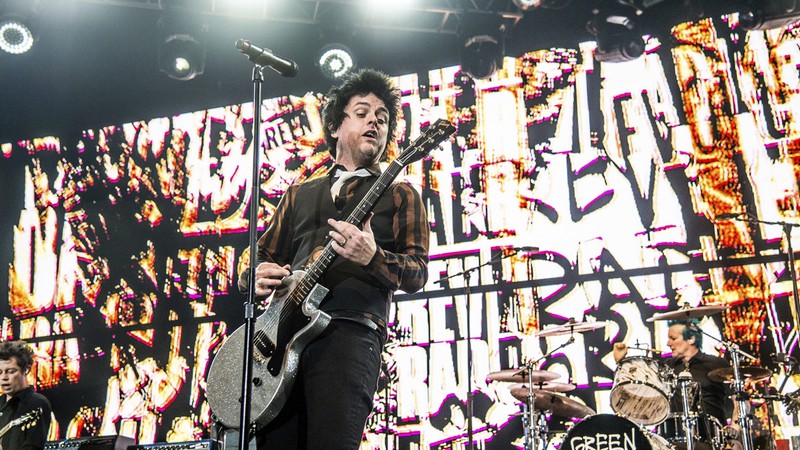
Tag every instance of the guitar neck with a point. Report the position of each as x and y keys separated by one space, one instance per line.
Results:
x=315 y=271
x=5 y=429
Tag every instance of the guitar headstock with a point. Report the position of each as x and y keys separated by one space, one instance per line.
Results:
x=426 y=142
x=28 y=419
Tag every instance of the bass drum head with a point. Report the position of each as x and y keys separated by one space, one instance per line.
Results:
x=606 y=431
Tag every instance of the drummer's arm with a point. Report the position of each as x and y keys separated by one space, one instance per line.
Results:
x=620 y=351
x=734 y=429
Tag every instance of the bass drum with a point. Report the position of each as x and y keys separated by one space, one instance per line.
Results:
x=609 y=431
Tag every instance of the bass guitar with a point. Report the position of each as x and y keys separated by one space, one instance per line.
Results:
x=292 y=317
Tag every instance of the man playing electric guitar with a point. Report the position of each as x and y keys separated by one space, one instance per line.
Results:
x=338 y=370
x=19 y=399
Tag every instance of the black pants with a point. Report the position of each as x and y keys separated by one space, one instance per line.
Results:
x=333 y=393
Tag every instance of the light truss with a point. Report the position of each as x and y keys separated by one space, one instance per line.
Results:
x=430 y=16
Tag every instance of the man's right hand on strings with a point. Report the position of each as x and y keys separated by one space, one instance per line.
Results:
x=269 y=277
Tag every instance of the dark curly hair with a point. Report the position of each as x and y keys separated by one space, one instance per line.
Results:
x=363 y=82
x=19 y=350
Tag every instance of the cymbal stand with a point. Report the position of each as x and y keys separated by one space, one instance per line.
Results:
x=689 y=419
x=533 y=425
x=769 y=397
x=738 y=387
x=741 y=399
x=532 y=417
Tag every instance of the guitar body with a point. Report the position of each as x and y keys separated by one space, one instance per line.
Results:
x=280 y=335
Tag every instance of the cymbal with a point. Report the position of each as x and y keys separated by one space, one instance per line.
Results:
x=571 y=327
x=520 y=390
x=560 y=405
x=725 y=374
x=521 y=376
x=688 y=313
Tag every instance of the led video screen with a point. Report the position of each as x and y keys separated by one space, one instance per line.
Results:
x=572 y=190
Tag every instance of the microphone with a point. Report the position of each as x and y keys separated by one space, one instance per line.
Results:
x=728 y=216
x=265 y=57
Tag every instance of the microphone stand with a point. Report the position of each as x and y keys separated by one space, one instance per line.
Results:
x=249 y=306
x=467 y=275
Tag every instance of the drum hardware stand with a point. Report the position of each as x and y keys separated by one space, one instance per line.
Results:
x=466 y=274
x=531 y=416
x=534 y=426
x=738 y=387
x=689 y=419
x=768 y=399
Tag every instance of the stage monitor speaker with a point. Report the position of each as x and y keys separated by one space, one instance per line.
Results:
x=92 y=443
x=206 y=444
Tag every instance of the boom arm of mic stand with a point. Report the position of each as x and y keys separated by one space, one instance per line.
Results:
x=731 y=347
x=494 y=259
x=550 y=353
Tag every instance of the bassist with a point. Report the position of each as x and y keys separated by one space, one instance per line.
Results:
x=19 y=399
x=338 y=371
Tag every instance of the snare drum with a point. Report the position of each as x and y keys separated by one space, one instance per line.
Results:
x=641 y=391
x=608 y=431
x=706 y=429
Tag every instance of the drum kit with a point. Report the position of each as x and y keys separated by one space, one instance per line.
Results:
x=643 y=398
x=539 y=391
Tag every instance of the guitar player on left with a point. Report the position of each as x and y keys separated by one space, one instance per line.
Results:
x=24 y=413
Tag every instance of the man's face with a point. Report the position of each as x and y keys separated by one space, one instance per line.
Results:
x=12 y=377
x=363 y=132
x=680 y=347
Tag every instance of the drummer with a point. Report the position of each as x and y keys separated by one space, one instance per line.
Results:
x=685 y=343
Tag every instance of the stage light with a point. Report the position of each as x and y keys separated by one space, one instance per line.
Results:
x=336 y=61
x=481 y=47
x=525 y=5
x=770 y=14
x=16 y=36
x=615 y=25
x=18 y=25
x=181 y=49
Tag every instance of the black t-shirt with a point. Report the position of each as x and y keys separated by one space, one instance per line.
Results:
x=32 y=433
x=713 y=394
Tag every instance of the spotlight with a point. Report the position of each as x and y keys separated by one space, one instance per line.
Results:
x=768 y=14
x=525 y=5
x=181 y=49
x=481 y=47
x=616 y=29
x=16 y=36
x=336 y=61
x=18 y=20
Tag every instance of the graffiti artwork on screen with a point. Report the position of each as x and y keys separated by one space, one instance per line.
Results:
x=123 y=243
